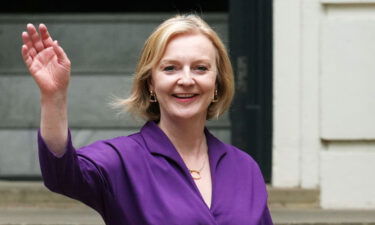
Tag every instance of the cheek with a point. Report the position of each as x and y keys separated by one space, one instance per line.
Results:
x=209 y=84
x=164 y=86
x=160 y=82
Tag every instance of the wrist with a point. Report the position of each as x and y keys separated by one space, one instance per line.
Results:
x=58 y=98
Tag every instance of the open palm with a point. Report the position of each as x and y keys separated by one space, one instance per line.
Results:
x=45 y=60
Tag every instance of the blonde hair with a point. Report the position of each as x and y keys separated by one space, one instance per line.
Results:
x=139 y=101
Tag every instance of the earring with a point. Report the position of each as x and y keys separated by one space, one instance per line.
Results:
x=153 y=97
x=216 y=98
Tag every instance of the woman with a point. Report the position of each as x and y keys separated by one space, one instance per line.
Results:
x=174 y=171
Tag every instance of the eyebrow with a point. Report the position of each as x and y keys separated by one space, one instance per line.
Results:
x=167 y=61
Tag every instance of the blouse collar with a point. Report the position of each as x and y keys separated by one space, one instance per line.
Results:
x=157 y=142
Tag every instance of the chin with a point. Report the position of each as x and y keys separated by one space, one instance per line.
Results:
x=184 y=113
x=188 y=115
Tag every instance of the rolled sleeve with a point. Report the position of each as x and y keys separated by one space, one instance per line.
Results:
x=71 y=174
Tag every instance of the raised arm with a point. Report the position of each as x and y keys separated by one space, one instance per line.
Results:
x=50 y=67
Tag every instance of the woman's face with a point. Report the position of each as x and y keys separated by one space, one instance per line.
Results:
x=185 y=78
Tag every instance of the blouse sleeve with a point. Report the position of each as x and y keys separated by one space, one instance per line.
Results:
x=72 y=174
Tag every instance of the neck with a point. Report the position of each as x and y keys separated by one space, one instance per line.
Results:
x=186 y=135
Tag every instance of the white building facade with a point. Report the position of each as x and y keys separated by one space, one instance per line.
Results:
x=324 y=99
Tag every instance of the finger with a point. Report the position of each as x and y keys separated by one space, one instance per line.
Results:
x=46 y=37
x=61 y=55
x=35 y=37
x=26 y=56
x=26 y=41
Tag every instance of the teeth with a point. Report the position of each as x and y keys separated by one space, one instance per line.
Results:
x=184 y=95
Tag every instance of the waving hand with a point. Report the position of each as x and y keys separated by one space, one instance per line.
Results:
x=46 y=61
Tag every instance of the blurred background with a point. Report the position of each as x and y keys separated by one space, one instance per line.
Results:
x=304 y=106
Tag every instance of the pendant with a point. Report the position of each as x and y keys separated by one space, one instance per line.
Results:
x=195 y=174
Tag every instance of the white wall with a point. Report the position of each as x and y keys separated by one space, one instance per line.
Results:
x=348 y=105
x=296 y=141
x=324 y=99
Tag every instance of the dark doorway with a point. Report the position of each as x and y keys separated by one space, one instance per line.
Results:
x=250 y=38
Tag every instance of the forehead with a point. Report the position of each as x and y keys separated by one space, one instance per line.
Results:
x=189 y=45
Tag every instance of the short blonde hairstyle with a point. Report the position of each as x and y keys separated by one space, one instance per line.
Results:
x=153 y=50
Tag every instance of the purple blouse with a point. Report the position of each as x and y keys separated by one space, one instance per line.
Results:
x=141 y=179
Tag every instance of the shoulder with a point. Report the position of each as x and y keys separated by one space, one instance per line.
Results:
x=234 y=155
x=241 y=157
x=107 y=152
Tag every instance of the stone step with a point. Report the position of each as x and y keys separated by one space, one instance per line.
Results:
x=30 y=203
x=293 y=197
x=316 y=216
x=49 y=216
x=86 y=216
x=19 y=193
x=16 y=193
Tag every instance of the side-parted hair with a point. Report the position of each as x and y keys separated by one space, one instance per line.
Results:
x=153 y=50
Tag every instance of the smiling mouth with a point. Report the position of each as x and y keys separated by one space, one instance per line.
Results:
x=184 y=96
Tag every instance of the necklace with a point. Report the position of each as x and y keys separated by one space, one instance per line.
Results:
x=196 y=174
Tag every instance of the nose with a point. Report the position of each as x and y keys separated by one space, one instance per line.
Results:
x=186 y=78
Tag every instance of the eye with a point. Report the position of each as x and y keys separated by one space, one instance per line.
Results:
x=169 y=68
x=201 y=69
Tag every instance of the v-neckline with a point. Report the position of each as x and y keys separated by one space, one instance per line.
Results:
x=158 y=143
x=211 y=191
